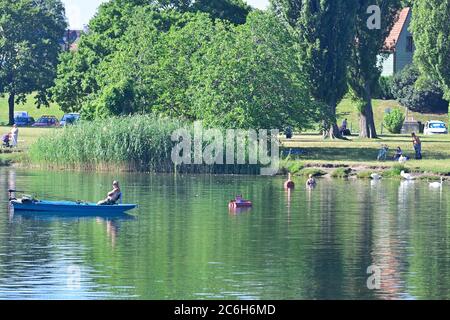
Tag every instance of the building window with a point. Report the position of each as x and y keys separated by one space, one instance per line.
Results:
x=409 y=44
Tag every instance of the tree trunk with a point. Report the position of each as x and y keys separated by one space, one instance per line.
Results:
x=367 y=127
x=11 y=101
x=333 y=130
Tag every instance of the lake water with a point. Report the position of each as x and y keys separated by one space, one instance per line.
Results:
x=183 y=243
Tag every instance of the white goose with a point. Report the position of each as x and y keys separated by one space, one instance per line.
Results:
x=437 y=184
x=376 y=176
x=407 y=176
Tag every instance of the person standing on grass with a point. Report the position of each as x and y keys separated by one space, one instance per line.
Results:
x=14 y=135
x=417 y=146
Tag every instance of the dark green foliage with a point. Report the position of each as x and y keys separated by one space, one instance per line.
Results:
x=426 y=98
x=30 y=35
x=383 y=89
x=235 y=11
x=363 y=70
x=431 y=29
x=325 y=33
x=341 y=173
x=197 y=69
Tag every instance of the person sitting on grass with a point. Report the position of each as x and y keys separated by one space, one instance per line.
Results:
x=398 y=154
x=112 y=197
x=382 y=154
x=5 y=140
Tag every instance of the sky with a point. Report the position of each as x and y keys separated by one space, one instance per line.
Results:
x=79 y=12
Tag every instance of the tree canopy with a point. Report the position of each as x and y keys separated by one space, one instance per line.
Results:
x=190 y=66
x=431 y=29
x=426 y=98
x=364 y=72
x=30 y=35
x=325 y=33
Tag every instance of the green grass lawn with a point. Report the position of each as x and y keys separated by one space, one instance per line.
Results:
x=27 y=136
x=30 y=107
x=347 y=109
x=353 y=152
x=357 y=152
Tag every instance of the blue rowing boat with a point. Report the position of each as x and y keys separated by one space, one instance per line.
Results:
x=69 y=207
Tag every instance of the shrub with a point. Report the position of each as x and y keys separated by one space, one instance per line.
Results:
x=315 y=172
x=394 y=121
x=341 y=173
x=426 y=97
x=364 y=175
x=396 y=170
x=291 y=166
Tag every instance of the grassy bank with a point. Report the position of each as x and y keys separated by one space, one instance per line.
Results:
x=27 y=136
x=361 y=154
x=143 y=143
x=347 y=109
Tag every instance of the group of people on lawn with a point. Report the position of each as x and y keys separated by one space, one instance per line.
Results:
x=417 y=144
x=10 y=139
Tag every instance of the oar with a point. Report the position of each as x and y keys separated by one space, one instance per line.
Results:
x=11 y=191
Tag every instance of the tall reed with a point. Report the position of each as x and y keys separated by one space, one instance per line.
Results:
x=134 y=143
x=127 y=143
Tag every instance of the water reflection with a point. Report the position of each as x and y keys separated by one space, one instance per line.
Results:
x=184 y=243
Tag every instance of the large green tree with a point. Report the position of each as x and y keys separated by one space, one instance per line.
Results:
x=200 y=69
x=431 y=29
x=369 y=42
x=250 y=76
x=30 y=35
x=78 y=81
x=325 y=33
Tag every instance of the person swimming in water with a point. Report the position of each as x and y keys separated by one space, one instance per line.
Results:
x=311 y=182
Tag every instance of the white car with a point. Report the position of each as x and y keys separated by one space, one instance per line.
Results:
x=435 y=127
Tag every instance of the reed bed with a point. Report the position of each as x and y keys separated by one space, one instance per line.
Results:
x=135 y=143
x=139 y=143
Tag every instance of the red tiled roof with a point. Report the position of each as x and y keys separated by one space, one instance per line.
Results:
x=392 y=39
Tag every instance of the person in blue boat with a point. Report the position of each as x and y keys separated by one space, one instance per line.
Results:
x=113 y=196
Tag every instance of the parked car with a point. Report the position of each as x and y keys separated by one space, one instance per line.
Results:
x=46 y=121
x=69 y=118
x=21 y=114
x=24 y=121
x=435 y=127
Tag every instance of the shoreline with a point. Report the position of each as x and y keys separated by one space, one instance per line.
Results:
x=330 y=170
